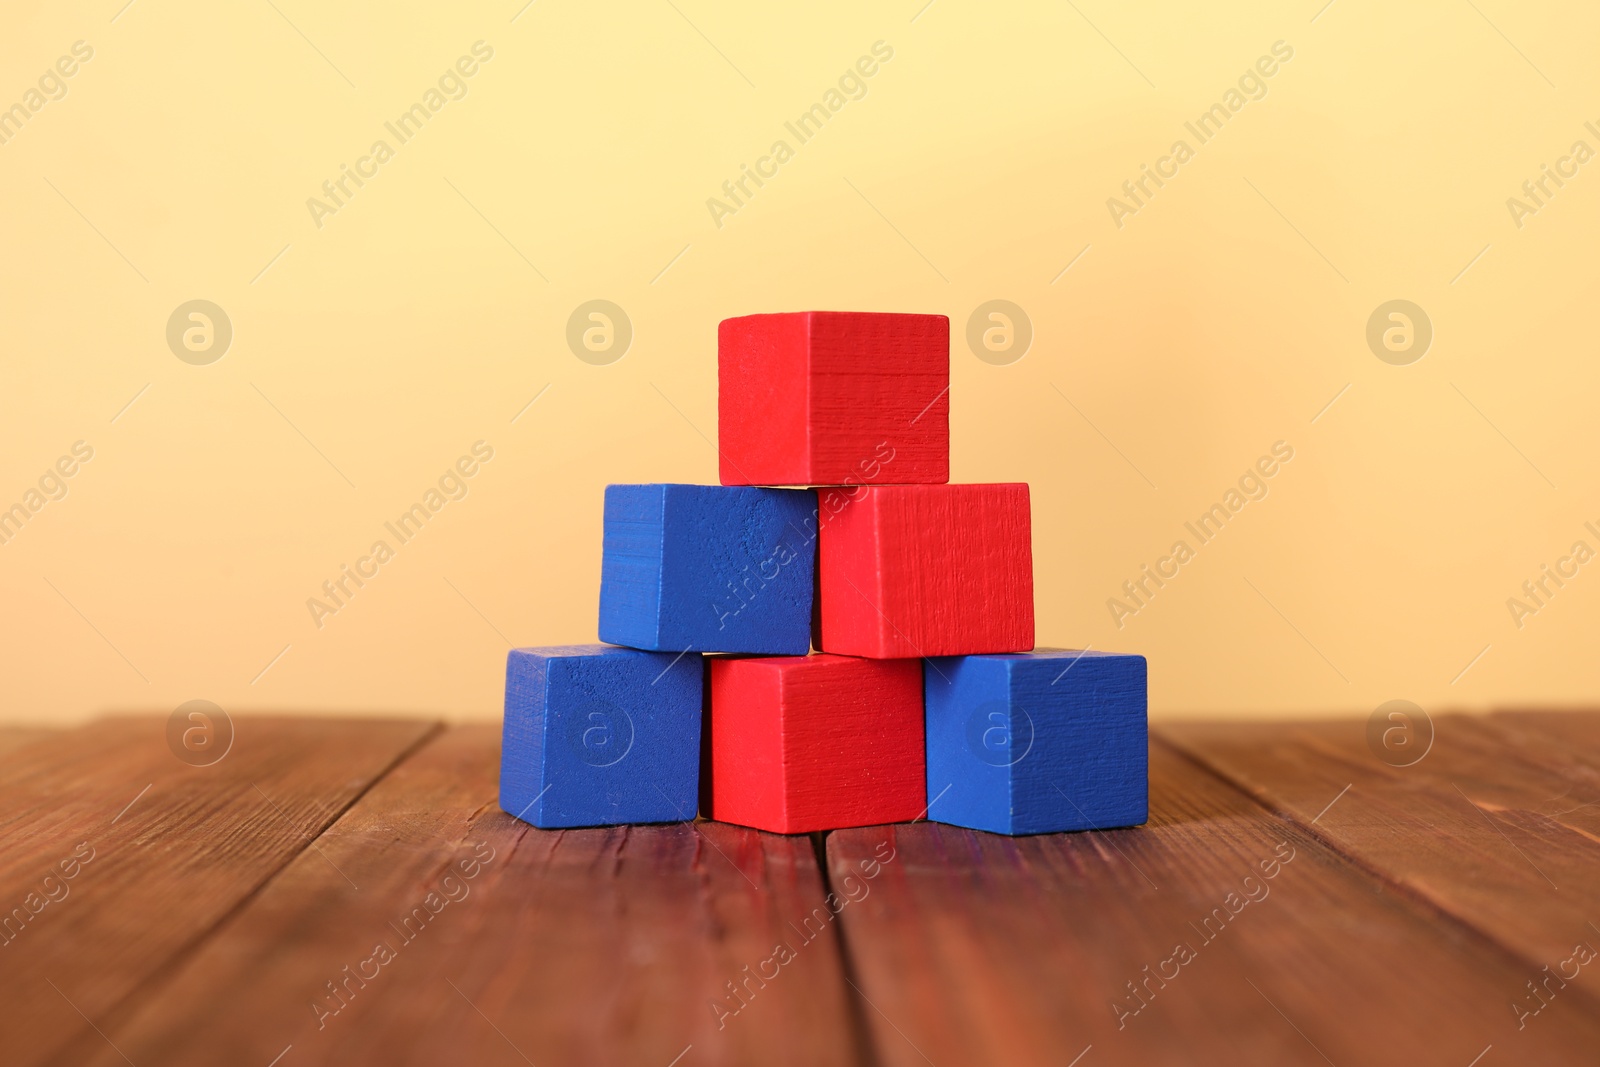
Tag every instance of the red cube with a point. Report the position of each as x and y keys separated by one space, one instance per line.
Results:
x=925 y=570
x=804 y=743
x=834 y=398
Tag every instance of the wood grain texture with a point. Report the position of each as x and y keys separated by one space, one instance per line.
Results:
x=13 y=738
x=1577 y=731
x=598 y=946
x=1296 y=928
x=138 y=855
x=833 y=398
x=970 y=948
x=1497 y=826
x=925 y=570
x=806 y=743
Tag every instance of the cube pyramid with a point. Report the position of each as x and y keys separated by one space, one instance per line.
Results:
x=833 y=636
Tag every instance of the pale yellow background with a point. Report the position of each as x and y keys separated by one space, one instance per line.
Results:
x=1221 y=318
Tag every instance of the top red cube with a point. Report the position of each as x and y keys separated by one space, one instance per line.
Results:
x=834 y=398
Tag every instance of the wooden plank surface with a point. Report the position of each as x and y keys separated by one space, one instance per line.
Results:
x=1576 y=732
x=120 y=855
x=231 y=914
x=15 y=737
x=969 y=948
x=603 y=946
x=1496 y=826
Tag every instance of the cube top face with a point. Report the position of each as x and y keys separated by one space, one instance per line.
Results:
x=596 y=735
x=708 y=568
x=1036 y=658
x=833 y=398
x=820 y=742
x=927 y=570
x=533 y=655
x=1037 y=743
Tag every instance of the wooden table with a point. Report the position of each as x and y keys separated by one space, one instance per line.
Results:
x=1294 y=900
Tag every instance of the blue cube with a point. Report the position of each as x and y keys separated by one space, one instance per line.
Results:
x=711 y=568
x=1037 y=741
x=596 y=736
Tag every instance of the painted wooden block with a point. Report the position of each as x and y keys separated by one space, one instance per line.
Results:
x=926 y=570
x=804 y=743
x=833 y=398
x=708 y=567
x=1034 y=743
x=597 y=736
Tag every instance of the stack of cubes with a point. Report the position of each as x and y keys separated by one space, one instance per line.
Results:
x=855 y=652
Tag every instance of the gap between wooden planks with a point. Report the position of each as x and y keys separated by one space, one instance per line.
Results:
x=577 y=946
x=961 y=945
x=976 y=949
x=160 y=852
x=1497 y=827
